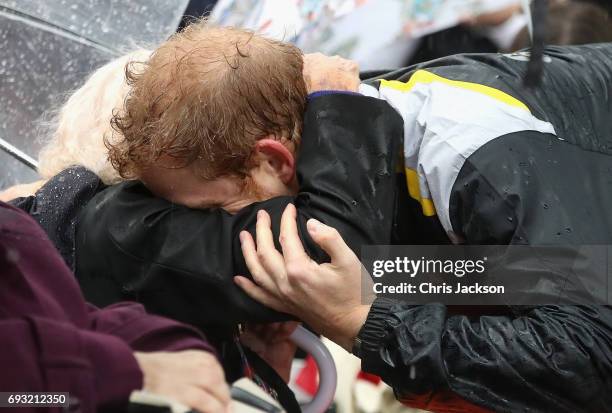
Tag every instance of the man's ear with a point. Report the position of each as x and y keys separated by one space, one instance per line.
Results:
x=275 y=155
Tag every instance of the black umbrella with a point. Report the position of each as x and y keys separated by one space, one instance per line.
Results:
x=49 y=47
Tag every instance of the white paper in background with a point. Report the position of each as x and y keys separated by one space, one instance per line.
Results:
x=362 y=30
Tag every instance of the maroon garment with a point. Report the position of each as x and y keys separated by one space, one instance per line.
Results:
x=51 y=340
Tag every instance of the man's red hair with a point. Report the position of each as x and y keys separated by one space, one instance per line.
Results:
x=204 y=98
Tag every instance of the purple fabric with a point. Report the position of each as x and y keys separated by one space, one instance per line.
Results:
x=330 y=92
x=51 y=340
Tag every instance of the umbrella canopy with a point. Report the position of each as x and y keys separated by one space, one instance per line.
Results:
x=49 y=47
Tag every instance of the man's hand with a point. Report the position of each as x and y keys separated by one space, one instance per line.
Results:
x=330 y=73
x=327 y=296
x=272 y=343
x=193 y=378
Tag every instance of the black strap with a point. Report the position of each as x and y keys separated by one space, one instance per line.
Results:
x=285 y=396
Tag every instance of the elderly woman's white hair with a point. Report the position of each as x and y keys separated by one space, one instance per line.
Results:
x=79 y=128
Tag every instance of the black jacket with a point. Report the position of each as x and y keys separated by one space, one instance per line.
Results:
x=540 y=174
x=494 y=162
x=518 y=359
x=56 y=205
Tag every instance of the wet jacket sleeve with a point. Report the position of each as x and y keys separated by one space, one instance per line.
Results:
x=550 y=358
x=180 y=262
x=41 y=354
x=58 y=202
